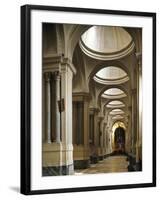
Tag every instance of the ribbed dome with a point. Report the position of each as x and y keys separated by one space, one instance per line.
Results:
x=106 y=39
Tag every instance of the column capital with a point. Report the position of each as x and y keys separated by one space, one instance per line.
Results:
x=133 y=91
x=100 y=117
x=130 y=108
x=81 y=96
x=67 y=62
x=47 y=76
x=56 y=75
x=139 y=57
x=94 y=110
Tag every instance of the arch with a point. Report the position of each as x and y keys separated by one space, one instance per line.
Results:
x=60 y=39
x=79 y=82
x=74 y=36
x=115 y=125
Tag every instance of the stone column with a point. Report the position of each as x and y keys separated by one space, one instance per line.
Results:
x=105 y=139
x=57 y=111
x=94 y=146
x=82 y=150
x=127 y=134
x=86 y=99
x=67 y=72
x=47 y=76
x=130 y=129
x=101 y=138
x=134 y=128
x=139 y=113
x=96 y=133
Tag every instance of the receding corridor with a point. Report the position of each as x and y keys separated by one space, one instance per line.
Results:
x=91 y=99
x=108 y=165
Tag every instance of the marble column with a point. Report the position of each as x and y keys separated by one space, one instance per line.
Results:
x=47 y=77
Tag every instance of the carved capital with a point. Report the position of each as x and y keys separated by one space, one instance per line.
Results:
x=47 y=76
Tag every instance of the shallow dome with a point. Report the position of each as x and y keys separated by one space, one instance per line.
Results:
x=115 y=104
x=117 y=112
x=111 y=73
x=113 y=93
x=106 y=39
x=118 y=117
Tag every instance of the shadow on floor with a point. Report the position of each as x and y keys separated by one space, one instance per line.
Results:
x=15 y=189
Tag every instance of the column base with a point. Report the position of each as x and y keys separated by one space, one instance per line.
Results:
x=101 y=157
x=138 y=166
x=94 y=159
x=81 y=164
x=133 y=165
x=58 y=170
x=107 y=155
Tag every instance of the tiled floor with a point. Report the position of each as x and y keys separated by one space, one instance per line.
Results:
x=108 y=165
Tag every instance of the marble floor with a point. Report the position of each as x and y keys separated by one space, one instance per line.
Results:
x=108 y=165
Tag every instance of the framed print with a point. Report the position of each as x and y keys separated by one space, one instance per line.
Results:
x=88 y=99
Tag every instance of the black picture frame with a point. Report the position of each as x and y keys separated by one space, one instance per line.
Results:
x=26 y=98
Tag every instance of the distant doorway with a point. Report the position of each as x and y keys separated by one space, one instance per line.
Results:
x=119 y=140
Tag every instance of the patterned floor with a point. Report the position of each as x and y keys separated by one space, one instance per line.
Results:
x=108 y=165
